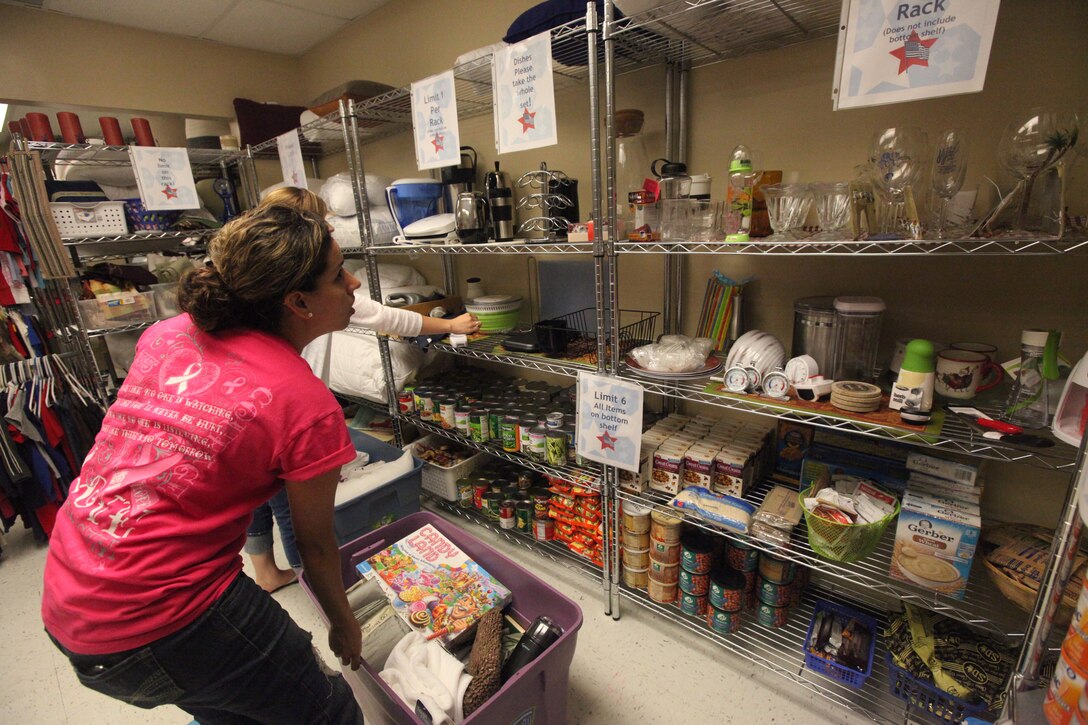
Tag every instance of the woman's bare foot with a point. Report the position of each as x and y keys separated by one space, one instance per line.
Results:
x=268 y=575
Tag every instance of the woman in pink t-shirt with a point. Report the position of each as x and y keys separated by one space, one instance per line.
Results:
x=144 y=590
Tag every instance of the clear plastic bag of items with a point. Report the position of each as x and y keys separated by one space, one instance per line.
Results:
x=776 y=517
x=674 y=354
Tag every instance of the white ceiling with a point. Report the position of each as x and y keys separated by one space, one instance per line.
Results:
x=290 y=27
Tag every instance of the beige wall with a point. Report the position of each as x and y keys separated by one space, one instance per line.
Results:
x=53 y=59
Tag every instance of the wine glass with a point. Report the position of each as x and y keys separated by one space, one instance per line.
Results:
x=787 y=206
x=1033 y=143
x=898 y=159
x=949 y=169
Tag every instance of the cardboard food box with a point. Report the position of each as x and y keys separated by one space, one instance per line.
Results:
x=934 y=545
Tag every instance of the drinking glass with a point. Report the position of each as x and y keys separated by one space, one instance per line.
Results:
x=787 y=207
x=1032 y=144
x=832 y=202
x=949 y=169
x=898 y=158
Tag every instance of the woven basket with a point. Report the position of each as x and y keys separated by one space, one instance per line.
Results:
x=1024 y=596
x=843 y=542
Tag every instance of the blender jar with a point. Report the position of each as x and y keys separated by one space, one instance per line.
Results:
x=674 y=190
x=857 y=322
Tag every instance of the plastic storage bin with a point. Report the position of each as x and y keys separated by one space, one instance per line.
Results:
x=848 y=675
x=536 y=694
x=928 y=697
x=118 y=310
x=142 y=220
x=101 y=219
x=440 y=480
x=166 y=298
x=385 y=504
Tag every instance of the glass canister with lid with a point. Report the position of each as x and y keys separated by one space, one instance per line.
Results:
x=814 y=331
x=857 y=323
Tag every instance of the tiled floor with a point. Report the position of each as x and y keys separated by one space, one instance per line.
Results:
x=638 y=669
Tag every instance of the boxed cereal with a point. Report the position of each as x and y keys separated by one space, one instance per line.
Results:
x=934 y=545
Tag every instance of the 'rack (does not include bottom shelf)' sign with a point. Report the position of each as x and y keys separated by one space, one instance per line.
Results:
x=609 y=421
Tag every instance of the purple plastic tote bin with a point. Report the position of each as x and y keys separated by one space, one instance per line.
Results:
x=536 y=694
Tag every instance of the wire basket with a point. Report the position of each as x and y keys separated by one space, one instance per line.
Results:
x=928 y=697
x=557 y=334
x=142 y=220
x=843 y=542
x=823 y=665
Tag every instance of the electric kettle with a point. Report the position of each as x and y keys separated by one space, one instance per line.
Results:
x=471 y=218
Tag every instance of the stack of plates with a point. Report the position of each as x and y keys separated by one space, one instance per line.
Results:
x=711 y=366
x=855 y=396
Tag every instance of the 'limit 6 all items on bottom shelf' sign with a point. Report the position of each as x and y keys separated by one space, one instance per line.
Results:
x=609 y=420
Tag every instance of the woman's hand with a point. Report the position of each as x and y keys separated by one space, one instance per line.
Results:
x=346 y=642
x=466 y=324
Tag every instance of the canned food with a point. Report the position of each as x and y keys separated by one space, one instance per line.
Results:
x=692 y=604
x=777 y=595
x=405 y=402
x=424 y=403
x=695 y=549
x=636 y=558
x=494 y=423
x=727 y=590
x=460 y=418
x=507 y=519
x=697 y=584
x=543 y=529
x=665 y=527
x=664 y=552
x=465 y=494
x=664 y=573
x=525 y=427
x=538 y=447
x=554 y=420
x=556 y=447
x=660 y=592
x=525 y=480
x=1067 y=686
x=771 y=616
x=478 y=428
x=509 y=431
x=572 y=442
x=542 y=499
x=636 y=519
x=479 y=489
x=637 y=578
x=773 y=569
x=523 y=511
x=492 y=504
x=721 y=621
x=742 y=557
x=636 y=541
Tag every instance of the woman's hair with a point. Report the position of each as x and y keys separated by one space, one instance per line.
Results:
x=256 y=260
x=293 y=196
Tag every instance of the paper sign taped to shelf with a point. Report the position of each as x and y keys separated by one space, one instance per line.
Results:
x=524 y=95
x=609 y=420
x=892 y=51
x=294 y=168
x=434 y=122
x=164 y=177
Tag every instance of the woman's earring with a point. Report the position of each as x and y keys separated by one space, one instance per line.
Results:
x=309 y=314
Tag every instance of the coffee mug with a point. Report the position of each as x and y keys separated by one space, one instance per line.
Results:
x=960 y=373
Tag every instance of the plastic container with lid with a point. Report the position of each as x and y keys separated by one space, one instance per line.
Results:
x=674 y=185
x=632 y=164
x=857 y=322
x=814 y=331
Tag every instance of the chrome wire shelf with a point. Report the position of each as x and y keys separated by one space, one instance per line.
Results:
x=983 y=606
x=485 y=349
x=135 y=327
x=896 y=247
x=781 y=651
x=955 y=435
x=703 y=32
x=202 y=159
x=356 y=330
x=587 y=477
x=552 y=550
x=374 y=405
x=317 y=139
x=139 y=237
x=515 y=247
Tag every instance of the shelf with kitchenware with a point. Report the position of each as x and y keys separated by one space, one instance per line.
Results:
x=584 y=476
x=489 y=347
x=552 y=550
x=202 y=161
x=954 y=434
x=781 y=650
x=521 y=246
x=983 y=605
x=998 y=245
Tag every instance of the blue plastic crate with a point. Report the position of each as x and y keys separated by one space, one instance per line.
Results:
x=383 y=505
x=824 y=666
x=928 y=697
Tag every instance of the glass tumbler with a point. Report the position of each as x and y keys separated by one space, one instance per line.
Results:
x=832 y=202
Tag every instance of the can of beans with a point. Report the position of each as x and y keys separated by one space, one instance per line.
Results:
x=523 y=512
x=692 y=604
x=777 y=595
x=727 y=590
x=507 y=519
x=695 y=551
x=772 y=616
x=478 y=428
x=696 y=584
x=465 y=494
x=721 y=621
x=424 y=404
x=509 y=433
x=742 y=557
x=773 y=569
x=556 y=447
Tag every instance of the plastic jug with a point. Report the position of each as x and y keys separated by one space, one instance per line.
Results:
x=413 y=199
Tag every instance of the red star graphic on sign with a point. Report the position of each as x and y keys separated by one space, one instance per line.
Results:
x=437 y=141
x=171 y=192
x=915 y=51
x=526 y=120
x=607 y=441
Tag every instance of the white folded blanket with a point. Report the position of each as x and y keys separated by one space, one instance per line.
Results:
x=361 y=481
x=421 y=671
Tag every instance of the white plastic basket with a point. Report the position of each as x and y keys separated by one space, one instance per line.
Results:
x=442 y=481
x=103 y=219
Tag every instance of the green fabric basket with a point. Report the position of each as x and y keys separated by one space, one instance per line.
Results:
x=843 y=542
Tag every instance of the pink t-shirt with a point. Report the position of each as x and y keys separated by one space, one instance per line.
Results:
x=203 y=428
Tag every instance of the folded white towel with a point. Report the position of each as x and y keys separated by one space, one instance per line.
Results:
x=421 y=671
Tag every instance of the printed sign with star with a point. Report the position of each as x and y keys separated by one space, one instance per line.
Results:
x=291 y=162
x=164 y=177
x=524 y=95
x=434 y=122
x=892 y=51
x=609 y=420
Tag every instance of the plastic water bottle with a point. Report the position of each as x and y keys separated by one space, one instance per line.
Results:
x=1027 y=402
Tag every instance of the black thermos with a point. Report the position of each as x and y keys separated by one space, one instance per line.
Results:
x=537 y=637
x=500 y=197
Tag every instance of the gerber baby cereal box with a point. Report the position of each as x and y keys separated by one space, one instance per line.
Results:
x=434 y=587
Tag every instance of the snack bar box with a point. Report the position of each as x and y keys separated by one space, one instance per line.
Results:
x=535 y=694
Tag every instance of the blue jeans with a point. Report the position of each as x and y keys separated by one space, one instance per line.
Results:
x=259 y=534
x=243 y=661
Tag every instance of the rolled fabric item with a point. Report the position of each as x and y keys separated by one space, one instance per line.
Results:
x=111 y=131
x=142 y=128
x=70 y=129
x=40 y=128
